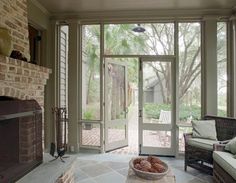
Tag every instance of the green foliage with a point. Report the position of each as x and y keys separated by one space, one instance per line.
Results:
x=186 y=112
x=88 y=115
x=194 y=111
x=153 y=111
x=221 y=112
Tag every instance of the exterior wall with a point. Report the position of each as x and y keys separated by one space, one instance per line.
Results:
x=148 y=96
x=157 y=97
x=13 y=16
x=153 y=95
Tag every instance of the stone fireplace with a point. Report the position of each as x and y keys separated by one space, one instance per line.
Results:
x=21 y=117
x=22 y=91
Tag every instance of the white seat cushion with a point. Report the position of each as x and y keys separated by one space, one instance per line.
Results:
x=227 y=161
x=202 y=143
x=231 y=146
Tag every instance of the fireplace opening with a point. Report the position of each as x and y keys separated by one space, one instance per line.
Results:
x=20 y=137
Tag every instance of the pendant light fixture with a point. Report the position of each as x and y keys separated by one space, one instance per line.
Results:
x=138 y=29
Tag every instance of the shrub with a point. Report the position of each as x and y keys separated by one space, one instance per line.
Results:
x=88 y=115
x=153 y=111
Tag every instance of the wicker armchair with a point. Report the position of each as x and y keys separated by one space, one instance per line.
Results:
x=220 y=175
x=200 y=158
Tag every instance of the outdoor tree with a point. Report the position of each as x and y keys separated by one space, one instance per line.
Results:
x=91 y=71
x=222 y=68
x=158 y=39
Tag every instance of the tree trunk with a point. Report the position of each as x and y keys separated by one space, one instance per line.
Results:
x=89 y=83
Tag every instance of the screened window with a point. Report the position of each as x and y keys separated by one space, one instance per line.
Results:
x=222 y=69
x=189 y=71
x=91 y=72
x=157 y=39
x=189 y=76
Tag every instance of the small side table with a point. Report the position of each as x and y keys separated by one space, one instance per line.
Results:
x=132 y=178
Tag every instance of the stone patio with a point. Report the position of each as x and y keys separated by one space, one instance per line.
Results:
x=151 y=138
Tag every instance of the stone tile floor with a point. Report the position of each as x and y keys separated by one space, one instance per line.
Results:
x=107 y=168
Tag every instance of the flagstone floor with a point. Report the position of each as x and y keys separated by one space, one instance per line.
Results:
x=107 y=168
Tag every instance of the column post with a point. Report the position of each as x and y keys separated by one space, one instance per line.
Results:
x=73 y=86
x=210 y=65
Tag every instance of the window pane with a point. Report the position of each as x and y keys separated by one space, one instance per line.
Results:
x=91 y=72
x=157 y=92
x=157 y=39
x=222 y=68
x=189 y=71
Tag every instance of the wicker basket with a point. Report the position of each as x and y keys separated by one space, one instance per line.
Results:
x=148 y=175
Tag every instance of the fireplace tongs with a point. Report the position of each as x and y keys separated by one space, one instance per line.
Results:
x=60 y=152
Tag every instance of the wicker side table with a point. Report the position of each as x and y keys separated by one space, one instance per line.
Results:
x=132 y=178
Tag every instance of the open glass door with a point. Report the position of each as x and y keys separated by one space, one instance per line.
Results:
x=116 y=127
x=156 y=123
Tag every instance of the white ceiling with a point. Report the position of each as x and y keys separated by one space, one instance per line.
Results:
x=75 y=6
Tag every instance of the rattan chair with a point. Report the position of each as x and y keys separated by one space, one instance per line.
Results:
x=220 y=175
x=200 y=158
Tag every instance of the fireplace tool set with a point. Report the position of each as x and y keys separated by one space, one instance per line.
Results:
x=60 y=116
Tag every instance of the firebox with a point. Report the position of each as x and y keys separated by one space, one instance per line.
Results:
x=20 y=138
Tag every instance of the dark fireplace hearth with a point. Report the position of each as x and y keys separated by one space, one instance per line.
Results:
x=20 y=137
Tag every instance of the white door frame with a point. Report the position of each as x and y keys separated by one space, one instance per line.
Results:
x=111 y=123
x=150 y=126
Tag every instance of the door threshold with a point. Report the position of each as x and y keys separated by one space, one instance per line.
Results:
x=169 y=156
x=115 y=149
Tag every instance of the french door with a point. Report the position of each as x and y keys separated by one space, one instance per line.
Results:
x=157 y=129
x=116 y=122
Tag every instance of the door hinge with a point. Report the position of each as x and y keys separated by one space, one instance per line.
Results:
x=140 y=113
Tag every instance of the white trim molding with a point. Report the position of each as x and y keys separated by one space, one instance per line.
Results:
x=144 y=15
x=40 y=6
